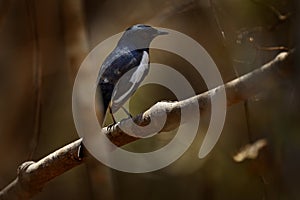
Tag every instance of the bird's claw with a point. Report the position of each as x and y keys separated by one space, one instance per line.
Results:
x=110 y=126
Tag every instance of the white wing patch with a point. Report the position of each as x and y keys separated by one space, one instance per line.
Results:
x=123 y=92
x=141 y=69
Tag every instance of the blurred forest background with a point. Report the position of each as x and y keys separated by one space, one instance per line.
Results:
x=42 y=44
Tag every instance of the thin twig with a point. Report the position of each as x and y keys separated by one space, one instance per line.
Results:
x=250 y=39
x=277 y=13
x=216 y=17
x=262 y=48
x=279 y=16
x=37 y=69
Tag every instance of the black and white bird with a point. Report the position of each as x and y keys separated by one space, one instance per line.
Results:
x=125 y=67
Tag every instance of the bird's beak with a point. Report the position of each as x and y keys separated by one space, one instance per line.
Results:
x=159 y=32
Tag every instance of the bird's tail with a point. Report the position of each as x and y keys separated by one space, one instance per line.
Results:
x=103 y=97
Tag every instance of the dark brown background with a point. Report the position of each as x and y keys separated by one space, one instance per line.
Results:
x=49 y=36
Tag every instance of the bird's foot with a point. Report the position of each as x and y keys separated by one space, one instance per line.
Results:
x=110 y=126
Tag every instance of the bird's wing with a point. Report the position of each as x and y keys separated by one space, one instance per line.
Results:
x=129 y=82
x=118 y=62
x=110 y=61
x=115 y=65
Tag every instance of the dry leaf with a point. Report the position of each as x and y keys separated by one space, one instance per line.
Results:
x=250 y=151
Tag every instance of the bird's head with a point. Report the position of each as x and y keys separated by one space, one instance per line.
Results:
x=140 y=36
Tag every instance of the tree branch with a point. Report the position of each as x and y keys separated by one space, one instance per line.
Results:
x=237 y=90
x=33 y=176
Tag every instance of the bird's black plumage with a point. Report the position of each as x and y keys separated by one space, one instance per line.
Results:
x=128 y=63
x=127 y=60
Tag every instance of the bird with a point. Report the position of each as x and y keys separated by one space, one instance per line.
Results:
x=125 y=67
